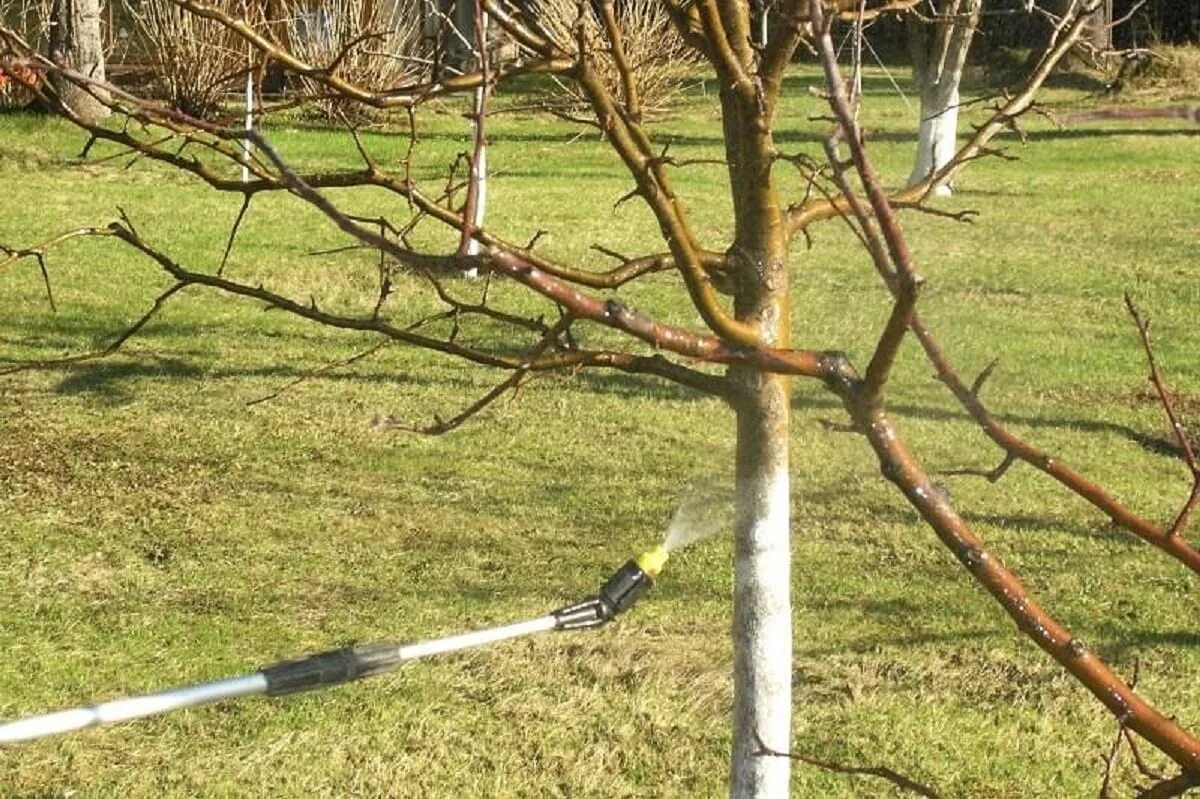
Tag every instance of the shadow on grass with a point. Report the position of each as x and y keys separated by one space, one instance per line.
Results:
x=1124 y=646
x=1016 y=523
x=872 y=644
x=1130 y=640
x=815 y=137
x=1069 y=134
x=1026 y=523
x=105 y=378
x=634 y=386
x=109 y=379
x=1146 y=441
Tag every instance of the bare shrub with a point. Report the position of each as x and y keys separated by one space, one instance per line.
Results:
x=374 y=45
x=1170 y=72
x=658 y=57
x=31 y=19
x=196 y=61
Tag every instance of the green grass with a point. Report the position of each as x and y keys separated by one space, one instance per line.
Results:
x=157 y=530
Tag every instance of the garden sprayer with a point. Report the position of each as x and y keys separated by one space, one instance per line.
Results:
x=326 y=669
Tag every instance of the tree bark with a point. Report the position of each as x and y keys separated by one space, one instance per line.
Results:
x=1099 y=28
x=939 y=54
x=476 y=205
x=762 y=616
x=762 y=622
x=75 y=41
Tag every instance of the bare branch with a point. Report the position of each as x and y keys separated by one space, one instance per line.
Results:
x=109 y=349
x=38 y=253
x=883 y=772
x=472 y=213
x=320 y=371
x=1014 y=446
x=233 y=231
x=616 y=41
x=512 y=383
x=900 y=273
x=900 y=467
x=1110 y=759
x=1017 y=102
x=1142 y=766
x=991 y=475
x=1177 y=428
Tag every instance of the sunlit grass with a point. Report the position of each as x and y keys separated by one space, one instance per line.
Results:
x=157 y=529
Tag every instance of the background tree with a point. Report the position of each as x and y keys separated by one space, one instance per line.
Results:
x=938 y=46
x=76 y=43
x=743 y=350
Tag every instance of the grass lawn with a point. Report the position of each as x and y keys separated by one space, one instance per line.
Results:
x=155 y=529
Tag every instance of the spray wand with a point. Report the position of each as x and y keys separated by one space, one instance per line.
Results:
x=626 y=586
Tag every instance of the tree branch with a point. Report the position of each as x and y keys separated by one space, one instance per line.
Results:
x=1016 y=447
x=322 y=370
x=900 y=467
x=883 y=772
x=900 y=273
x=511 y=383
x=109 y=349
x=1177 y=428
x=1017 y=103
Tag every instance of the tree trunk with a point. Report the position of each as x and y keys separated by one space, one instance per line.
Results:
x=75 y=42
x=459 y=41
x=1099 y=28
x=476 y=206
x=762 y=621
x=762 y=615
x=937 y=138
x=939 y=54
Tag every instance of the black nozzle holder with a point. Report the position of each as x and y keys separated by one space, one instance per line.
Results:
x=627 y=585
x=330 y=668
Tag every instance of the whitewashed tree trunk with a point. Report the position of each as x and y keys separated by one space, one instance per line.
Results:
x=937 y=138
x=939 y=54
x=762 y=618
x=479 y=170
x=477 y=178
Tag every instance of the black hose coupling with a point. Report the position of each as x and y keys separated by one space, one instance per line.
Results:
x=626 y=586
x=330 y=668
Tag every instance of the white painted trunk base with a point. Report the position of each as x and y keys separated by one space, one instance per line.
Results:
x=762 y=610
x=479 y=176
x=479 y=168
x=937 y=141
x=763 y=643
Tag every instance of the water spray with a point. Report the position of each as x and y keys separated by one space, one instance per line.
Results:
x=621 y=591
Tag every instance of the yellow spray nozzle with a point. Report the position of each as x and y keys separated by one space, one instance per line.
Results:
x=652 y=560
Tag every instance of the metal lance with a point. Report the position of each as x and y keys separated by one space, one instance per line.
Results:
x=326 y=669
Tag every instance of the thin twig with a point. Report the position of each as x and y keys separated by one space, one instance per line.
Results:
x=511 y=383
x=112 y=347
x=322 y=370
x=1110 y=760
x=883 y=772
x=1180 y=432
x=233 y=231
